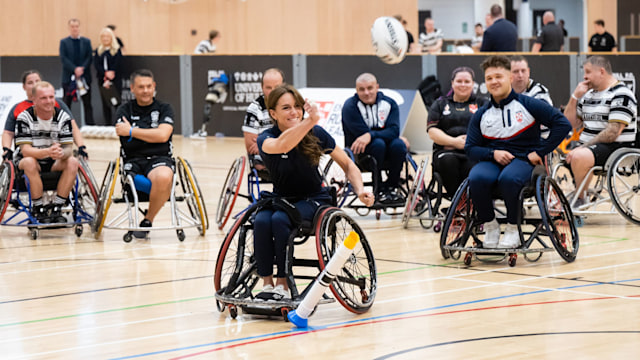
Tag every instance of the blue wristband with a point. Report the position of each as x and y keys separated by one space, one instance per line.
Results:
x=130 y=134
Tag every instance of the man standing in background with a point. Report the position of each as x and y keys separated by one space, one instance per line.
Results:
x=76 y=55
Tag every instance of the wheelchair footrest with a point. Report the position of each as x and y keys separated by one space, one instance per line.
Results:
x=494 y=251
x=251 y=303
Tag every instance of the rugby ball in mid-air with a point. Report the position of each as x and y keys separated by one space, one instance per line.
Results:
x=389 y=39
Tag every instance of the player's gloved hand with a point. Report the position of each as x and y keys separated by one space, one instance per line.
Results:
x=7 y=154
x=82 y=151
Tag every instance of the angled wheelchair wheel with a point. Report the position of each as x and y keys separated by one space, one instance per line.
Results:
x=414 y=197
x=230 y=191
x=106 y=194
x=355 y=284
x=623 y=182
x=193 y=196
x=563 y=177
x=88 y=173
x=87 y=192
x=7 y=174
x=236 y=274
x=557 y=218
x=333 y=175
x=458 y=223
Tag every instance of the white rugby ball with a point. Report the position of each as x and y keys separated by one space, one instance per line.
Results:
x=389 y=40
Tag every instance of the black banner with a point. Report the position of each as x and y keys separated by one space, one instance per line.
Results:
x=551 y=71
x=342 y=71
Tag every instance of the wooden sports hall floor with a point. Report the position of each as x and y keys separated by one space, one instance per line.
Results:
x=64 y=297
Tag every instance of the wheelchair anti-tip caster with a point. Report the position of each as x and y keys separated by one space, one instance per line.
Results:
x=181 y=235
x=233 y=311
x=34 y=234
x=78 y=230
x=512 y=259
x=128 y=237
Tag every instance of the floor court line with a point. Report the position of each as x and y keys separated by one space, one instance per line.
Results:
x=388 y=317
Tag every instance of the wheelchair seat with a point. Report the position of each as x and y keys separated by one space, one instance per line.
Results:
x=184 y=190
x=554 y=219
x=236 y=275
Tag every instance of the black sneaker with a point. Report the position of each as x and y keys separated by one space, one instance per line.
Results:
x=55 y=214
x=141 y=234
x=41 y=214
x=393 y=197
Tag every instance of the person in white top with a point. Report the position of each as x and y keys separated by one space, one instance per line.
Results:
x=208 y=46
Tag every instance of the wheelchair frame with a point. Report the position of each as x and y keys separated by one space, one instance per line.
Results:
x=616 y=183
x=82 y=197
x=231 y=190
x=556 y=222
x=183 y=180
x=236 y=274
x=424 y=200
x=334 y=176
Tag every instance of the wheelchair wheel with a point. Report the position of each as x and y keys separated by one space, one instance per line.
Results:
x=333 y=175
x=413 y=198
x=564 y=179
x=356 y=283
x=7 y=174
x=89 y=174
x=87 y=193
x=195 y=203
x=623 y=182
x=557 y=218
x=236 y=273
x=230 y=191
x=457 y=225
x=106 y=194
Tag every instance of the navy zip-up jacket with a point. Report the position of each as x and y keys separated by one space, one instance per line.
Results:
x=381 y=120
x=514 y=125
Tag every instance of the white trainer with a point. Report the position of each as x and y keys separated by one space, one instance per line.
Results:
x=282 y=294
x=511 y=237
x=491 y=234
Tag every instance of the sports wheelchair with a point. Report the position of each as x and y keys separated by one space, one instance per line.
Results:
x=231 y=189
x=236 y=277
x=15 y=191
x=424 y=201
x=614 y=187
x=553 y=220
x=184 y=189
x=334 y=176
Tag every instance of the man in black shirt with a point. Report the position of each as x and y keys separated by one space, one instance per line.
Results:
x=602 y=40
x=550 y=37
x=145 y=127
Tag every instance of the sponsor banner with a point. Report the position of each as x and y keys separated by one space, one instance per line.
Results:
x=10 y=94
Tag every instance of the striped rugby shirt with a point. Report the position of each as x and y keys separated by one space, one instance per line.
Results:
x=598 y=108
x=538 y=91
x=430 y=39
x=42 y=133
x=257 y=118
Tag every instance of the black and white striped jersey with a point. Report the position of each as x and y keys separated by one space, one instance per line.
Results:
x=598 y=108
x=257 y=118
x=41 y=133
x=428 y=40
x=538 y=91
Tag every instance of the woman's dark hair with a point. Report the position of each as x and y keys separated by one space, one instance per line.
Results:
x=29 y=72
x=462 y=69
x=309 y=145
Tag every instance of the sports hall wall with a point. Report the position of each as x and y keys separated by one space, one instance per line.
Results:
x=35 y=27
x=182 y=80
